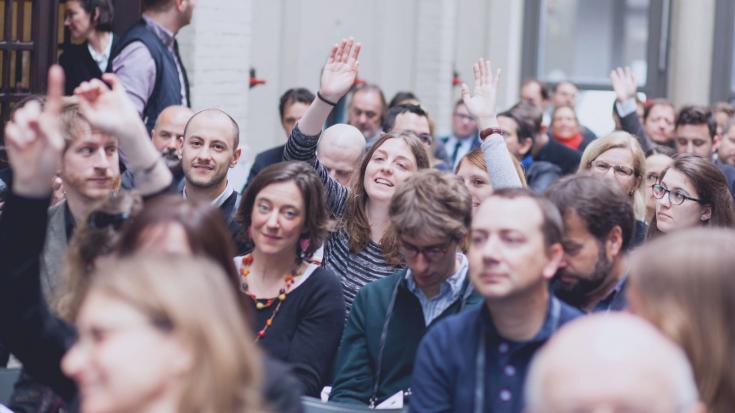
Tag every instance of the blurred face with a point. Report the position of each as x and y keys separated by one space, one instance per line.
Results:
x=278 y=219
x=90 y=168
x=477 y=182
x=411 y=122
x=587 y=262
x=340 y=163
x=564 y=123
x=430 y=259
x=78 y=21
x=366 y=112
x=655 y=165
x=168 y=135
x=694 y=139
x=209 y=151
x=464 y=125
x=188 y=10
x=165 y=238
x=565 y=95
x=121 y=362
x=390 y=165
x=726 y=150
x=659 y=125
x=510 y=133
x=531 y=92
x=690 y=213
x=616 y=164
x=291 y=114
x=507 y=254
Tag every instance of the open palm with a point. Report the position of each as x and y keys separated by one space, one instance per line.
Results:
x=340 y=71
x=481 y=102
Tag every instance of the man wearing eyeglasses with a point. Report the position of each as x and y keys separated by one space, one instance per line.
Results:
x=413 y=118
x=431 y=213
x=464 y=138
x=598 y=228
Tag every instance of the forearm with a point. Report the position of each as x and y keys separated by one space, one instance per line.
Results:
x=500 y=167
x=148 y=168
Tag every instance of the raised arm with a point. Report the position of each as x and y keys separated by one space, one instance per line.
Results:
x=481 y=104
x=625 y=86
x=109 y=109
x=338 y=76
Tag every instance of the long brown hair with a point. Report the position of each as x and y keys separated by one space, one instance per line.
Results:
x=685 y=287
x=354 y=221
x=711 y=186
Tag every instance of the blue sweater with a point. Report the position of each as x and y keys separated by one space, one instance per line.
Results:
x=445 y=372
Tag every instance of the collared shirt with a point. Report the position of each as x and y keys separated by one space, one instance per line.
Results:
x=219 y=199
x=615 y=300
x=457 y=148
x=101 y=58
x=449 y=290
x=137 y=70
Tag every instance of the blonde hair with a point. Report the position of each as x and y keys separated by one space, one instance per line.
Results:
x=686 y=288
x=623 y=140
x=192 y=297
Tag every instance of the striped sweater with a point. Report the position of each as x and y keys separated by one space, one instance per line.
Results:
x=353 y=270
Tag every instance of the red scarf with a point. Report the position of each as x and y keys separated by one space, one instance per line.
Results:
x=571 y=142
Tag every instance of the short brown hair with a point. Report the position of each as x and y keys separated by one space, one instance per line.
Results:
x=552 y=225
x=685 y=287
x=316 y=218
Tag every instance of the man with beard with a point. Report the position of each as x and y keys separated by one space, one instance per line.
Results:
x=598 y=227
x=168 y=138
x=211 y=140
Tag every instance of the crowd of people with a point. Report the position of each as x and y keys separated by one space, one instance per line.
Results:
x=520 y=263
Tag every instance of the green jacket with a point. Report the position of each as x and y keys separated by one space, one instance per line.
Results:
x=357 y=357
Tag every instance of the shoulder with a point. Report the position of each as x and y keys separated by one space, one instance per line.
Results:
x=271 y=155
x=457 y=324
x=73 y=52
x=568 y=313
x=382 y=287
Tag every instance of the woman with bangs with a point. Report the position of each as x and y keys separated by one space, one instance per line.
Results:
x=355 y=252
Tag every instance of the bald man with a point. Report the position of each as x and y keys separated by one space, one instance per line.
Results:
x=340 y=148
x=611 y=363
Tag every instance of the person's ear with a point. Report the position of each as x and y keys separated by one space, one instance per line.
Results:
x=614 y=243
x=235 y=157
x=555 y=254
x=706 y=213
x=525 y=145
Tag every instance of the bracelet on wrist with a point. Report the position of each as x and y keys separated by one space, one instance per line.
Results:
x=325 y=100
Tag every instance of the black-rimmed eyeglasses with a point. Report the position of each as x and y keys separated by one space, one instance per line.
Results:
x=676 y=197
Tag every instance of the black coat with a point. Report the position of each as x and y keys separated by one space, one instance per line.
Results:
x=79 y=66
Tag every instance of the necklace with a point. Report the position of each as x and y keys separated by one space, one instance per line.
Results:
x=261 y=304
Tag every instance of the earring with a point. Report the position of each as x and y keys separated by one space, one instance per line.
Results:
x=303 y=245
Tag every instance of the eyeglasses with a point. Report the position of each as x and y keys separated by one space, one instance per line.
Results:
x=102 y=220
x=431 y=253
x=425 y=138
x=675 y=197
x=652 y=178
x=618 y=170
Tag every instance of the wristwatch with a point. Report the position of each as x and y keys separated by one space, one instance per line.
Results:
x=489 y=131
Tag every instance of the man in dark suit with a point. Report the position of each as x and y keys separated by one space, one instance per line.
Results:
x=291 y=107
x=464 y=137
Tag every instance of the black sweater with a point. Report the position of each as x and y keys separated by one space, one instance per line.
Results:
x=306 y=331
x=79 y=66
x=38 y=338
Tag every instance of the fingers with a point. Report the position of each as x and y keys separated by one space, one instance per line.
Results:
x=333 y=55
x=55 y=90
x=465 y=92
x=477 y=73
x=112 y=80
x=91 y=90
x=355 y=54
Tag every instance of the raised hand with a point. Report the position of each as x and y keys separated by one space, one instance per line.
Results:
x=481 y=103
x=340 y=71
x=108 y=108
x=34 y=140
x=623 y=83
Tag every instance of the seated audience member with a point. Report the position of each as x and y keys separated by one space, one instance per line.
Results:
x=291 y=108
x=477 y=360
x=723 y=112
x=413 y=118
x=211 y=148
x=726 y=150
x=168 y=138
x=431 y=213
x=565 y=128
x=619 y=158
x=521 y=125
x=598 y=231
x=657 y=160
x=365 y=111
x=298 y=305
x=691 y=192
x=683 y=284
x=657 y=128
x=340 y=150
x=89 y=22
x=565 y=94
x=464 y=137
x=170 y=354
x=696 y=133
x=610 y=363
x=357 y=251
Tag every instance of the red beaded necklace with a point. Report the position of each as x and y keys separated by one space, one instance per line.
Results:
x=261 y=304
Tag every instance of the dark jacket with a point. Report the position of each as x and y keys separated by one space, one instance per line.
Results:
x=263 y=159
x=167 y=89
x=541 y=174
x=565 y=158
x=79 y=66
x=357 y=359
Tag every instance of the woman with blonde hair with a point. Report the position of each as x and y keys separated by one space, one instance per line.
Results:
x=619 y=157
x=683 y=284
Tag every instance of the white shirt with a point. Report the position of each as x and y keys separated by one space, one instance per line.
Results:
x=101 y=58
